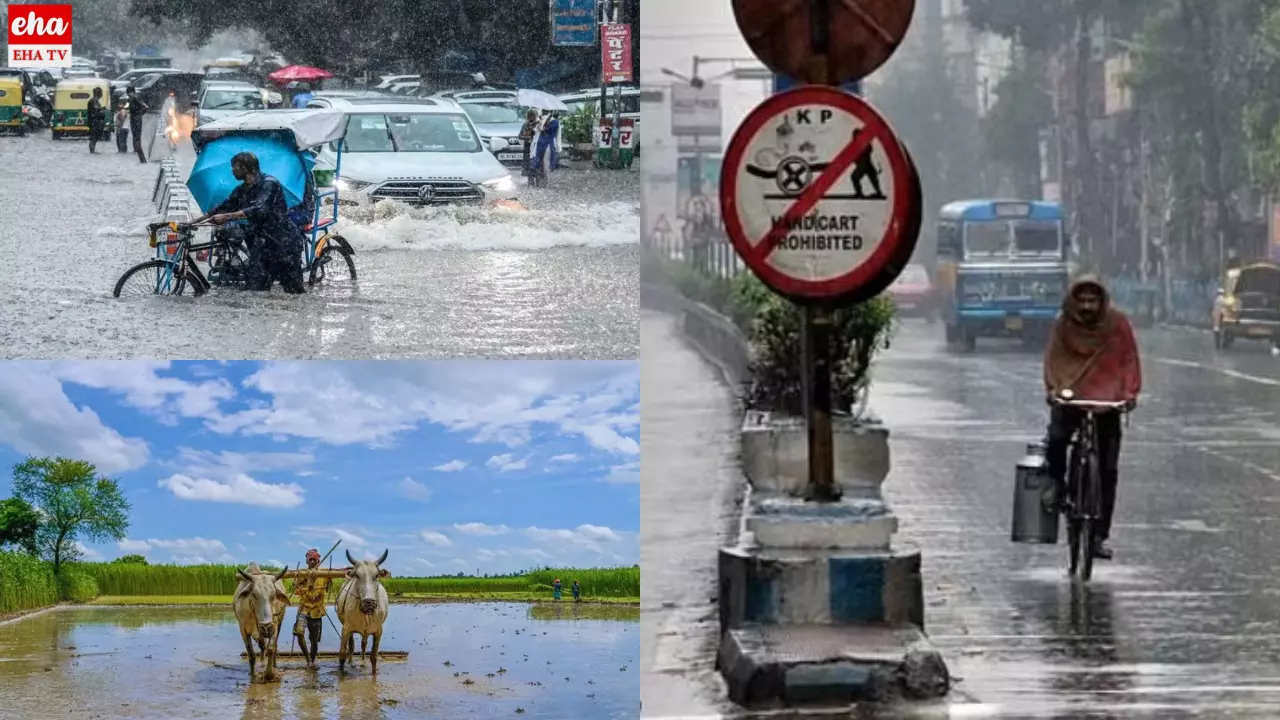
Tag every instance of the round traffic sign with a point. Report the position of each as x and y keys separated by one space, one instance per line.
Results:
x=824 y=42
x=819 y=197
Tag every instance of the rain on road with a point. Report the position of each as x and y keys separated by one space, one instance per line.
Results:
x=1183 y=622
x=556 y=281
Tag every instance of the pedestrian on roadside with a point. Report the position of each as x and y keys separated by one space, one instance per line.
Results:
x=137 y=109
x=97 y=119
x=122 y=127
x=577 y=592
x=546 y=151
x=527 y=133
x=303 y=97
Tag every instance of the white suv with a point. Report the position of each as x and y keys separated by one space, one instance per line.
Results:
x=414 y=150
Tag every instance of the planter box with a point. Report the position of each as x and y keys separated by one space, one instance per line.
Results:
x=775 y=454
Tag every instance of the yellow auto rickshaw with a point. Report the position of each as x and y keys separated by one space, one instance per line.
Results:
x=1248 y=305
x=71 y=108
x=11 y=118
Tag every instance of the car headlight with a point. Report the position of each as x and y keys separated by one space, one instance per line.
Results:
x=349 y=185
x=502 y=184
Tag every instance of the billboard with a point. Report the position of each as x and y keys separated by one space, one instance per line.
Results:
x=615 y=53
x=573 y=22
x=695 y=111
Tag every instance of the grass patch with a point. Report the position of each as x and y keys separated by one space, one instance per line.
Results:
x=408 y=597
x=26 y=583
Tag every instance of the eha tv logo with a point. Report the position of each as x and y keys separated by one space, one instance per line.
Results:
x=39 y=36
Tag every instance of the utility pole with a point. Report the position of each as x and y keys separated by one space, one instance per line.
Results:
x=606 y=11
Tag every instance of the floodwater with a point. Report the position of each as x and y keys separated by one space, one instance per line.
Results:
x=551 y=661
x=558 y=280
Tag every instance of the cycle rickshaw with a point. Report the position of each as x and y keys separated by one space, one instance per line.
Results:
x=282 y=141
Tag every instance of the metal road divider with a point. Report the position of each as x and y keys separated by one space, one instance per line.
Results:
x=172 y=199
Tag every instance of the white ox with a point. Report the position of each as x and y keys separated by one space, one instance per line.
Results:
x=259 y=606
x=362 y=608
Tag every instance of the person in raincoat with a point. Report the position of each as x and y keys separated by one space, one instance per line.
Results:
x=555 y=589
x=137 y=109
x=122 y=126
x=275 y=240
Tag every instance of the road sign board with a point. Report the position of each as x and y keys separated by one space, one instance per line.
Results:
x=819 y=197
x=825 y=42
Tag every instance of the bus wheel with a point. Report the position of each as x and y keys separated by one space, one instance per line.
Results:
x=953 y=334
x=968 y=340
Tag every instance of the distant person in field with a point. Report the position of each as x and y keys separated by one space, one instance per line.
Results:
x=577 y=592
x=555 y=589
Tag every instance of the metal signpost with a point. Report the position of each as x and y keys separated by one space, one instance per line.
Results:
x=819 y=197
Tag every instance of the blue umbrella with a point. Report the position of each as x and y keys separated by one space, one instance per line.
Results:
x=211 y=181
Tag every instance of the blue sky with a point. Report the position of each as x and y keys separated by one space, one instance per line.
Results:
x=453 y=466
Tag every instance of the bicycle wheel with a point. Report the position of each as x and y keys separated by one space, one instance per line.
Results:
x=157 y=277
x=1073 y=514
x=1092 y=514
x=329 y=266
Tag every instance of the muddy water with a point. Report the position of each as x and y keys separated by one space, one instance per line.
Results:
x=184 y=662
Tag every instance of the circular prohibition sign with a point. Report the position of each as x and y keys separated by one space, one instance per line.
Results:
x=824 y=237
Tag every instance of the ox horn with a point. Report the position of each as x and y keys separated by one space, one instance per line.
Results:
x=351 y=559
x=247 y=577
x=283 y=570
x=384 y=557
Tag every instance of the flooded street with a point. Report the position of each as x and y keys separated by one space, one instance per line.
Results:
x=540 y=661
x=555 y=281
x=1182 y=623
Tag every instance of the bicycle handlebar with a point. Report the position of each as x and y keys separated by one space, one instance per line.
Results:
x=1121 y=405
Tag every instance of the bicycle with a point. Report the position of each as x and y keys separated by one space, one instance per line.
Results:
x=1084 y=482
x=176 y=268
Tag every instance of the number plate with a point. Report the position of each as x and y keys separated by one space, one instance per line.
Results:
x=1013 y=323
x=510 y=156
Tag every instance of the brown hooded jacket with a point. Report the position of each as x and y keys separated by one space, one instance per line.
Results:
x=1097 y=362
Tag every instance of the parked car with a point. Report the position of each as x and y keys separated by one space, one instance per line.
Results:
x=154 y=88
x=495 y=115
x=913 y=293
x=419 y=151
x=1248 y=305
x=130 y=76
x=220 y=100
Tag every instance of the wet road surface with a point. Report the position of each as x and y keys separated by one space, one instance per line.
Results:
x=1183 y=623
x=687 y=494
x=556 y=281
x=165 y=662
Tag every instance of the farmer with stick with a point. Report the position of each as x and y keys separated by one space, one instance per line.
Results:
x=311 y=590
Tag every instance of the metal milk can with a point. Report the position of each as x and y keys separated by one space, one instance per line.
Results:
x=1032 y=521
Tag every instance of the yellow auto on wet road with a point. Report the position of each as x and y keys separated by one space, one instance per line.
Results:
x=71 y=108
x=11 y=117
x=1248 y=305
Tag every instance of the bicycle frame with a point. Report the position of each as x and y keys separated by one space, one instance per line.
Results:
x=176 y=252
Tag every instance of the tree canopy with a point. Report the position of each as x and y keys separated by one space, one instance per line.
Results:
x=18 y=524
x=75 y=502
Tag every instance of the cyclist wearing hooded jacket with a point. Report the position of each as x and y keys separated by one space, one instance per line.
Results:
x=1092 y=352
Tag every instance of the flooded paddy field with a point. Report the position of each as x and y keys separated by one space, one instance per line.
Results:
x=547 y=660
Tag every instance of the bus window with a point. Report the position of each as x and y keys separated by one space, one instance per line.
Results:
x=948 y=238
x=1039 y=238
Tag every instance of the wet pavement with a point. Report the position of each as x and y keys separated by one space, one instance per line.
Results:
x=556 y=281
x=1183 y=623
x=163 y=662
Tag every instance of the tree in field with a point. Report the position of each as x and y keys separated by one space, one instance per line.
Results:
x=75 y=502
x=18 y=524
x=131 y=560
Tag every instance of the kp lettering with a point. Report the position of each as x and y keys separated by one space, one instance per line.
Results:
x=39 y=36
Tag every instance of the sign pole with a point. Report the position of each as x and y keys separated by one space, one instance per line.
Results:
x=816 y=358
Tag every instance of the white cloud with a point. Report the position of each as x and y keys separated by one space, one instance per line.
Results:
x=567 y=457
x=486 y=554
x=589 y=537
x=475 y=528
x=452 y=466
x=506 y=463
x=134 y=546
x=434 y=538
x=414 y=490
x=534 y=553
x=424 y=562
x=460 y=561
x=240 y=489
x=187 y=547
x=37 y=418
x=276 y=563
x=624 y=474
x=143 y=387
x=226 y=464
x=326 y=533
x=496 y=401
x=87 y=552
x=190 y=560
